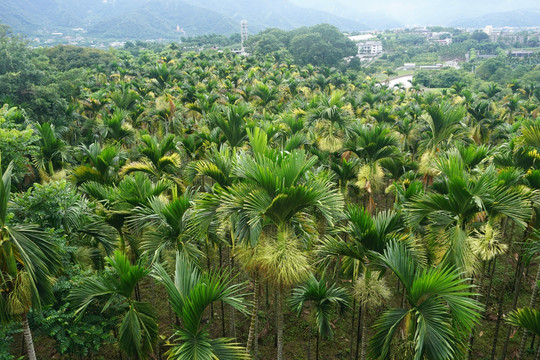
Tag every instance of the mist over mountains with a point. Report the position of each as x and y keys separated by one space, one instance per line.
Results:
x=427 y=12
x=173 y=19
x=168 y=19
x=521 y=18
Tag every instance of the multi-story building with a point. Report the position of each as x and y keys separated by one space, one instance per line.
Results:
x=370 y=48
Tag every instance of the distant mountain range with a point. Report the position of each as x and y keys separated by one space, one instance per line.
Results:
x=172 y=19
x=517 y=18
x=167 y=19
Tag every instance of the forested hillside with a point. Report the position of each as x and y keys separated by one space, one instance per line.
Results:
x=123 y=20
x=161 y=203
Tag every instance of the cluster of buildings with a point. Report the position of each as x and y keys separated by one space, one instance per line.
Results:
x=511 y=36
x=436 y=37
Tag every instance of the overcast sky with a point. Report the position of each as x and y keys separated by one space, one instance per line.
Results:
x=419 y=11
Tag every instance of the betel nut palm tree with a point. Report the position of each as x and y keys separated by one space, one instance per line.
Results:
x=460 y=201
x=440 y=309
x=278 y=192
x=324 y=299
x=138 y=329
x=28 y=260
x=190 y=294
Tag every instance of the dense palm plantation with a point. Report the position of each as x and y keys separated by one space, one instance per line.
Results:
x=213 y=206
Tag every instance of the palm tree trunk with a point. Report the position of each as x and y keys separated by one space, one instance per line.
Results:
x=231 y=262
x=28 y=338
x=317 y=346
x=488 y=294
x=471 y=335
x=517 y=287
x=254 y=315
x=222 y=319
x=363 y=342
x=209 y=267
x=498 y=325
x=51 y=168
x=531 y=305
x=221 y=302
x=256 y=340
x=352 y=328
x=279 y=324
x=537 y=355
x=499 y=313
x=232 y=323
x=359 y=339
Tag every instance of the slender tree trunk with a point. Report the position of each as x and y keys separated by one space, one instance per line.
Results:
x=537 y=353
x=359 y=339
x=231 y=262
x=317 y=346
x=352 y=329
x=254 y=315
x=363 y=342
x=279 y=324
x=221 y=302
x=256 y=340
x=28 y=338
x=232 y=323
x=473 y=330
x=517 y=287
x=531 y=305
x=309 y=344
x=498 y=325
x=222 y=319
x=208 y=265
x=488 y=294
x=276 y=314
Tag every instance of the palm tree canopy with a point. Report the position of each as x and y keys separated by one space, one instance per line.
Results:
x=138 y=329
x=324 y=298
x=526 y=318
x=458 y=200
x=190 y=293
x=277 y=187
x=441 y=307
x=28 y=260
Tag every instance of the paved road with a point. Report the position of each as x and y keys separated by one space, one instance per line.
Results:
x=405 y=80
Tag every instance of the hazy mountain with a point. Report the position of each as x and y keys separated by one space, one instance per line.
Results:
x=150 y=19
x=121 y=19
x=372 y=19
x=417 y=12
x=159 y=19
x=282 y=14
x=517 y=18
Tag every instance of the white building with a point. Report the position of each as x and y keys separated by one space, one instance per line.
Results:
x=370 y=48
x=362 y=37
x=444 y=42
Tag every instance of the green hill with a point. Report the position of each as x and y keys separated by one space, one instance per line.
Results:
x=145 y=19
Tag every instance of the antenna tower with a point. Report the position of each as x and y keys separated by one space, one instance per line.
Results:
x=243 y=33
